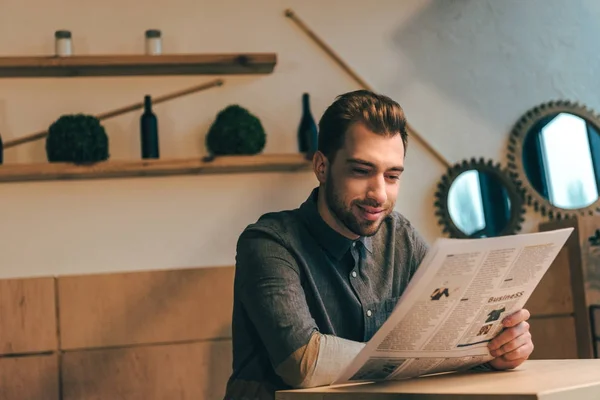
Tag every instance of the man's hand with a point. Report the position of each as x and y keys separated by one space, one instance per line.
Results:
x=513 y=345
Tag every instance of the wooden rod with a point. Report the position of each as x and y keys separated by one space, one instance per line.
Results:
x=292 y=15
x=123 y=110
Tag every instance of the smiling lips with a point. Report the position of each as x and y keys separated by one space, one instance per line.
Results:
x=371 y=213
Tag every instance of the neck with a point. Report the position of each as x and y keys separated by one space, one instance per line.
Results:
x=330 y=219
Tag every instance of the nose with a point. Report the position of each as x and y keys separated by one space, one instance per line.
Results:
x=377 y=190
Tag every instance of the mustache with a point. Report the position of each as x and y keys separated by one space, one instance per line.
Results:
x=372 y=203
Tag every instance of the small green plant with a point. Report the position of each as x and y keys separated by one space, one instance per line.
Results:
x=235 y=131
x=77 y=138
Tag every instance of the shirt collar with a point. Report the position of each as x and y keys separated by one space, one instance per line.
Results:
x=334 y=242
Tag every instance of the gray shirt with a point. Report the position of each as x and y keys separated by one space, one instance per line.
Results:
x=296 y=277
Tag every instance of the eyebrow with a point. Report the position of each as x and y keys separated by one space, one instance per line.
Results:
x=399 y=168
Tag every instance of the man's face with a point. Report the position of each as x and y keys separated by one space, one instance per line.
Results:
x=362 y=183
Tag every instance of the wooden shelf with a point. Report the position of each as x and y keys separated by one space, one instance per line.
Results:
x=129 y=65
x=140 y=168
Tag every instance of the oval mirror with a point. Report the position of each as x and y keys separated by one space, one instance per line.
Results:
x=477 y=199
x=554 y=153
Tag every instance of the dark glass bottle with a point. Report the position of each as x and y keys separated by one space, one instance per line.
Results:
x=307 y=130
x=149 y=131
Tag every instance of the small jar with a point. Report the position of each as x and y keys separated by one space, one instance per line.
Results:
x=62 y=43
x=153 y=42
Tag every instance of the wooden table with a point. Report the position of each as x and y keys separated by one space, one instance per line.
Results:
x=534 y=379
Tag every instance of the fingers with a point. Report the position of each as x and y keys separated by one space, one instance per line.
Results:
x=516 y=318
x=522 y=352
x=501 y=364
x=508 y=335
x=513 y=348
x=513 y=345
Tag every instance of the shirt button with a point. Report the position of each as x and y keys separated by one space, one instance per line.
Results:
x=369 y=313
x=354 y=274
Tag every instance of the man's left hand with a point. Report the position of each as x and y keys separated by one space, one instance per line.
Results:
x=513 y=345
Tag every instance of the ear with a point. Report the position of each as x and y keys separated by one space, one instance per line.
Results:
x=320 y=166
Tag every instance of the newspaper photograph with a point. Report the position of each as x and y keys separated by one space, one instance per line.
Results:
x=454 y=305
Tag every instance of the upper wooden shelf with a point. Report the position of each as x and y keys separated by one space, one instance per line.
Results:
x=129 y=65
x=138 y=168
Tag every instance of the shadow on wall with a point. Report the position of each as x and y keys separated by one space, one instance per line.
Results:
x=497 y=58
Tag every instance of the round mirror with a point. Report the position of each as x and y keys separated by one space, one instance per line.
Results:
x=554 y=153
x=476 y=199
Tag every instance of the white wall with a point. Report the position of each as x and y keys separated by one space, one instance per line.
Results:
x=464 y=71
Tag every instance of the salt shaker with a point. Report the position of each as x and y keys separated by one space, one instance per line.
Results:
x=62 y=43
x=153 y=42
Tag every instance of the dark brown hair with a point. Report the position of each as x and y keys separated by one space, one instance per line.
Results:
x=377 y=112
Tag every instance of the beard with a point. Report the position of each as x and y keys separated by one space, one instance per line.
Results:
x=350 y=220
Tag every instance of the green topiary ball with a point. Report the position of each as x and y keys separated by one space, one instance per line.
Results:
x=235 y=131
x=77 y=138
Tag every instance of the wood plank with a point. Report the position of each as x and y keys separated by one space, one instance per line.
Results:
x=595 y=319
x=534 y=379
x=27 y=315
x=590 y=258
x=117 y=309
x=161 y=167
x=32 y=377
x=553 y=338
x=573 y=247
x=129 y=65
x=553 y=295
x=182 y=371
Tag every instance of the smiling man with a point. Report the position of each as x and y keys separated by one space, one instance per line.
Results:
x=314 y=284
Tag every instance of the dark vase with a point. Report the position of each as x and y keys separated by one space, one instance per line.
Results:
x=307 y=130
x=149 y=131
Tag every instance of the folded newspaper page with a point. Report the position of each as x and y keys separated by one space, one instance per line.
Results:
x=454 y=305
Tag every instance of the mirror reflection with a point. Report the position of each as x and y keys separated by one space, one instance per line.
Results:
x=479 y=204
x=561 y=158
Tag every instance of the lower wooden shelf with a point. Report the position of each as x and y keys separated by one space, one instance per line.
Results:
x=161 y=167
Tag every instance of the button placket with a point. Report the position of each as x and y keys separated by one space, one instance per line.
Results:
x=355 y=255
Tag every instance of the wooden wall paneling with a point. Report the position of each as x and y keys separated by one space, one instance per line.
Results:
x=29 y=377
x=595 y=318
x=178 y=371
x=553 y=337
x=27 y=315
x=583 y=326
x=590 y=258
x=577 y=282
x=554 y=294
x=116 y=309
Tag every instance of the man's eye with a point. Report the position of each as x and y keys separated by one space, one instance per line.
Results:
x=394 y=177
x=360 y=171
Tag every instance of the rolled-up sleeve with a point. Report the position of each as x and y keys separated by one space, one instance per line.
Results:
x=269 y=287
x=270 y=290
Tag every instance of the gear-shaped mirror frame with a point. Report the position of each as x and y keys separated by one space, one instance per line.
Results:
x=515 y=195
x=515 y=156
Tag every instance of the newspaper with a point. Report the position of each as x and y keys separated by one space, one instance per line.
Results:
x=454 y=305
